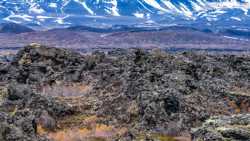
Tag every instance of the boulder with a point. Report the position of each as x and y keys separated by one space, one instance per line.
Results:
x=223 y=128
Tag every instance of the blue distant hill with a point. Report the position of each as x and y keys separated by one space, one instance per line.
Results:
x=14 y=28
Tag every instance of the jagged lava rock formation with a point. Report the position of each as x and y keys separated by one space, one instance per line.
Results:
x=132 y=95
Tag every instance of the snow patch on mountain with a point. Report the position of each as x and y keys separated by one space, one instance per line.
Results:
x=65 y=12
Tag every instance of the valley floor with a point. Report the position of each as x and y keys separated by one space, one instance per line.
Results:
x=168 y=39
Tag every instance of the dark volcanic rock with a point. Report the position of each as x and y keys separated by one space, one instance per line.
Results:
x=22 y=112
x=172 y=104
x=19 y=127
x=145 y=91
x=46 y=121
x=235 y=127
x=36 y=63
x=24 y=97
x=17 y=92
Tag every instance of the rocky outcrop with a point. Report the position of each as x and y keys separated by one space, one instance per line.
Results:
x=19 y=127
x=151 y=92
x=22 y=110
x=222 y=128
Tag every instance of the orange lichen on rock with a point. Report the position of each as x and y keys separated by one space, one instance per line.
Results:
x=234 y=106
x=242 y=107
x=40 y=130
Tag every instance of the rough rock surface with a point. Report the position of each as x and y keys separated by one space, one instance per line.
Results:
x=222 y=128
x=151 y=92
x=21 y=110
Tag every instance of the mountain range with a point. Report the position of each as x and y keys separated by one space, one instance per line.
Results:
x=212 y=14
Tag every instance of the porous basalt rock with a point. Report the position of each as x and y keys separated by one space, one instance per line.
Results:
x=144 y=91
x=37 y=63
x=223 y=128
x=22 y=111
x=19 y=126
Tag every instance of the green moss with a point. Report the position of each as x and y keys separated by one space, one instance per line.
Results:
x=161 y=137
x=14 y=111
x=140 y=137
x=3 y=94
x=73 y=120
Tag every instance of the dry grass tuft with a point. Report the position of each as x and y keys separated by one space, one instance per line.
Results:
x=82 y=128
x=66 y=90
x=40 y=130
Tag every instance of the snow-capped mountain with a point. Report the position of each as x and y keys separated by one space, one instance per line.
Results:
x=201 y=13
